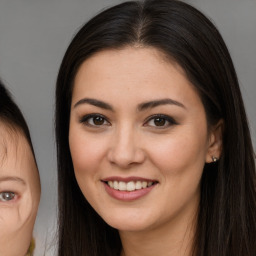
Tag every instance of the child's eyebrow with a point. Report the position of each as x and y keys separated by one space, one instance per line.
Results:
x=12 y=178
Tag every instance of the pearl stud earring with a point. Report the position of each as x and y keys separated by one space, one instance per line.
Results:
x=214 y=159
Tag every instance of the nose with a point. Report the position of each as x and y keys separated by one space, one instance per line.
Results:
x=126 y=150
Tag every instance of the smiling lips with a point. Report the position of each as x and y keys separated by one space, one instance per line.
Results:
x=128 y=189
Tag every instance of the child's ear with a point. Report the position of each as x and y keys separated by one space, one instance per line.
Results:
x=215 y=142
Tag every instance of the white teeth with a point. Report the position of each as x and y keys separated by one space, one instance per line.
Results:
x=122 y=186
x=115 y=185
x=144 y=184
x=129 y=186
x=138 y=185
x=110 y=183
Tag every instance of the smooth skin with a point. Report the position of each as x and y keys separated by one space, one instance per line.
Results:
x=135 y=114
x=19 y=192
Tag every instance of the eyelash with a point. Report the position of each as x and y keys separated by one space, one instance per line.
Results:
x=2 y=199
x=163 y=118
x=86 y=120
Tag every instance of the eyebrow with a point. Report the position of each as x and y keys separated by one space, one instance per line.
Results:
x=94 y=102
x=156 y=103
x=141 y=107
x=11 y=178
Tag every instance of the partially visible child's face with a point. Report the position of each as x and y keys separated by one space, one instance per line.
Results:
x=19 y=192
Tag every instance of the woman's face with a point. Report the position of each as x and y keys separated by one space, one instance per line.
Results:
x=19 y=192
x=138 y=138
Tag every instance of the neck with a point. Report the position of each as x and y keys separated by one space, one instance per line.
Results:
x=173 y=239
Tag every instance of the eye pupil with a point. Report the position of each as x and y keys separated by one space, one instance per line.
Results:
x=159 y=121
x=97 y=120
x=7 y=196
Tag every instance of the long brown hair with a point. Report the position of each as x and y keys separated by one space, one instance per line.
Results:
x=227 y=213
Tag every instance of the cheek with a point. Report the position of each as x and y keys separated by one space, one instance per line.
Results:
x=9 y=221
x=16 y=225
x=87 y=153
x=180 y=160
x=87 y=150
x=180 y=153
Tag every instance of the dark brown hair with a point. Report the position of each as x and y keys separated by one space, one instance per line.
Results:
x=227 y=212
x=11 y=115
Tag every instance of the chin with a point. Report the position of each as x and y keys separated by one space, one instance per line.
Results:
x=128 y=226
x=128 y=223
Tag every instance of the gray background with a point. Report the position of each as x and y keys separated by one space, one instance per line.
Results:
x=34 y=35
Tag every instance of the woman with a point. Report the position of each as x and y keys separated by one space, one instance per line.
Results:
x=19 y=181
x=154 y=150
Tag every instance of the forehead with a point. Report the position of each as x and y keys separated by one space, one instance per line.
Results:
x=10 y=140
x=16 y=157
x=132 y=74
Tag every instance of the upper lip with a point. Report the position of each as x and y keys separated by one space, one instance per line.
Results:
x=127 y=179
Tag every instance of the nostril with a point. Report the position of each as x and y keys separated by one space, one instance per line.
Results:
x=126 y=156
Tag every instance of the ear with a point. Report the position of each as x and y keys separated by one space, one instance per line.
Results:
x=215 y=142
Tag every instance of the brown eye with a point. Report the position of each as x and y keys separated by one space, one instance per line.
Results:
x=94 y=120
x=98 y=120
x=7 y=196
x=159 y=121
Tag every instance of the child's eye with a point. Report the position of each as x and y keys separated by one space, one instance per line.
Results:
x=160 y=121
x=7 y=196
x=94 y=120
